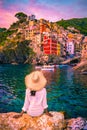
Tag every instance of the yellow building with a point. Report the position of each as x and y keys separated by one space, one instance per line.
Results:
x=70 y=35
x=58 y=49
x=31 y=29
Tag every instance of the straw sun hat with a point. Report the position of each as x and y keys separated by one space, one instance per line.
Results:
x=35 y=81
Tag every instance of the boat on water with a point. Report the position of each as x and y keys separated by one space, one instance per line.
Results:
x=48 y=67
x=38 y=67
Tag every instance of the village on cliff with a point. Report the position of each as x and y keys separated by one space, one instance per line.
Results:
x=48 y=38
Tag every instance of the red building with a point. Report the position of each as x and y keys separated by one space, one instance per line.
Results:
x=49 y=45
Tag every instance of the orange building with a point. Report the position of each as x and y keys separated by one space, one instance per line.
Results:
x=42 y=28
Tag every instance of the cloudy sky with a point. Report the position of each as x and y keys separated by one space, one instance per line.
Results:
x=52 y=10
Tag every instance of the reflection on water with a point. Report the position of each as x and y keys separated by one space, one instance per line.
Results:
x=66 y=90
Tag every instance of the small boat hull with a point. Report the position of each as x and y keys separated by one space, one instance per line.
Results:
x=38 y=67
x=48 y=68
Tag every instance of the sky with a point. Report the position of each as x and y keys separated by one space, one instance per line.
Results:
x=52 y=10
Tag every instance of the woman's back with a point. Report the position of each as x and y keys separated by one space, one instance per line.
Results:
x=35 y=105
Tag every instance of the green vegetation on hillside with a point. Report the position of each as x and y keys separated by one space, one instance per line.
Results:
x=21 y=17
x=14 y=46
x=4 y=35
x=2 y=29
x=19 y=52
x=80 y=24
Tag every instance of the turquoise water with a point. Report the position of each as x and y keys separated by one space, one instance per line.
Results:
x=66 y=90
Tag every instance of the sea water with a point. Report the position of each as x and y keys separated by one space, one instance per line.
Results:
x=66 y=89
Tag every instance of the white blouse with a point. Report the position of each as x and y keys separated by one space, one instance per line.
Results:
x=35 y=105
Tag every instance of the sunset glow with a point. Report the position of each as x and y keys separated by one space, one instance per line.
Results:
x=51 y=10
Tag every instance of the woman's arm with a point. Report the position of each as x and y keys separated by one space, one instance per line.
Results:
x=25 y=107
x=45 y=104
x=26 y=102
x=19 y=115
x=47 y=112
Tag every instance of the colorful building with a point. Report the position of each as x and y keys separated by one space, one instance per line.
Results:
x=58 y=49
x=33 y=29
x=32 y=17
x=70 y=47
x=38 y=39
x=84 y=51
x=42 y=28
x=43 y=24
x=49 y=45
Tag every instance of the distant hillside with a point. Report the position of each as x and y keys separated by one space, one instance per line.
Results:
x=80 y=24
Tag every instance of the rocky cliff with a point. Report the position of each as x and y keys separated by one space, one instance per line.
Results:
x=16 y=53
x=44 y=122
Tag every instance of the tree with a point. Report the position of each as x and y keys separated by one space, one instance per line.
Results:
x=2 y=29
x=21 y=16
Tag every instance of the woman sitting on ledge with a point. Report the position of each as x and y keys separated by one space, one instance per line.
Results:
x=35 y=99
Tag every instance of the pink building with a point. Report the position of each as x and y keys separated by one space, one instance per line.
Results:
x=70 y=47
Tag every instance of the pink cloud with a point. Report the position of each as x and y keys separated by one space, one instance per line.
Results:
x=53 y=13
x=7 y=18
x=41 y=10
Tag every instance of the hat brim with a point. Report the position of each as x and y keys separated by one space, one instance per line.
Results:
x=35 y=85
